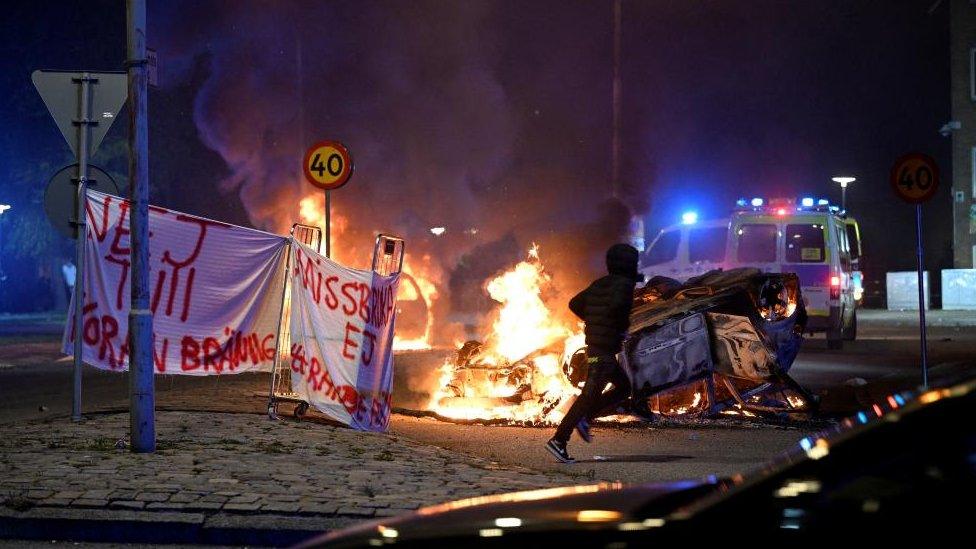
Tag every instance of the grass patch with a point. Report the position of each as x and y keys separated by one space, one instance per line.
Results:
x=273 y=447
x=589 y=474
x=17 y=503
x=230 y=442
x=385 y=455
x=100 y=444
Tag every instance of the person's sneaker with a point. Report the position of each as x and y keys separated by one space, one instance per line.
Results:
x=583 y=428
x=558 y=450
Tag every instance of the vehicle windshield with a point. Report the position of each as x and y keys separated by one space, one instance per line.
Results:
x=805 y=243
x=757 y=243
x=707 y=244
x=664 y=248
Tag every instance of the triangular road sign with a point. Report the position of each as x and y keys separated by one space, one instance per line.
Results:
x=61 y=92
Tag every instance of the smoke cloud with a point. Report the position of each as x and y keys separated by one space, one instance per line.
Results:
x=491 y=119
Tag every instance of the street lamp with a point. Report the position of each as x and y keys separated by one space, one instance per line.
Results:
x=844 y=181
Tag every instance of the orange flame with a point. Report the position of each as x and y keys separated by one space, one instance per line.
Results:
x=408 y=292
x=519 y=374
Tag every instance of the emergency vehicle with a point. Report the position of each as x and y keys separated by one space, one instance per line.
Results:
x=812 y=239
x=688 y=249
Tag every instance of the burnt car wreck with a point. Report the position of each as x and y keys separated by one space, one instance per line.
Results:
x=727 y=339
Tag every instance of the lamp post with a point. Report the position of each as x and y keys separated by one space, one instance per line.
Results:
x=844 y=182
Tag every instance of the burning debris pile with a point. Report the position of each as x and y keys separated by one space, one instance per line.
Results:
x=517 y=373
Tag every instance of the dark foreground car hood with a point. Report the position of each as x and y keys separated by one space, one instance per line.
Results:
x=907 y=461
x=573 y=508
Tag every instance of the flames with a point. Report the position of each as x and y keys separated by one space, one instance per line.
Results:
x=522 y=369
x=517 y=374
x=417 y=287
x=524 y=323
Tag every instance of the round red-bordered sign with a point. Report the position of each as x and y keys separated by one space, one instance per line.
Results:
x=328 y=165
x=915 y=178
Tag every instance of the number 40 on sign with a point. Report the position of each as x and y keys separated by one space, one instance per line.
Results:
x=915 y=178
x=328 y=165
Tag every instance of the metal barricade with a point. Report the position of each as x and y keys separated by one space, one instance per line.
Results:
x=281 y=389
x=388 y=254
x=387 y=260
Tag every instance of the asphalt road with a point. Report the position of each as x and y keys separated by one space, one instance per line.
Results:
x=888 y=347
x=34 y=384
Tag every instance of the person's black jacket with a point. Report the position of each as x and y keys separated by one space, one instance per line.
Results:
x=605 y=304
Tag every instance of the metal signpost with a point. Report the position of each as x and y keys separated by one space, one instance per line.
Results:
x=915 y=179
x=84 y=105
x=142 y=400
x=327 y=165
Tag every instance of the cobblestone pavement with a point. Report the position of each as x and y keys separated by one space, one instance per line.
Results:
x=238 y=466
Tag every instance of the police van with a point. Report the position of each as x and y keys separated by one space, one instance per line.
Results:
x=812 y=240
x=689 y=249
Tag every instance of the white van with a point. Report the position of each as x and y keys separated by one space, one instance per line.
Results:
x=811 y=240
x=686 y=250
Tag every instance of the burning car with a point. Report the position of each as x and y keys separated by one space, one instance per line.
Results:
x=721 y=343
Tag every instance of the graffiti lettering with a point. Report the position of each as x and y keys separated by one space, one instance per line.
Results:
x=236 y=350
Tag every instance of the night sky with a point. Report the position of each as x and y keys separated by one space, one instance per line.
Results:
x=497 y=115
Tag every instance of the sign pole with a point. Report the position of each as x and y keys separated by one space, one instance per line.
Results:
x=327 y=165
x=142 y=413
x=328 y=223
x=921 y=296
x=915 y=179
x=77 y=108
x=84 y=123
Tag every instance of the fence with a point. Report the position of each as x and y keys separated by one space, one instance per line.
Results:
x=388 y=254
x=281 y=389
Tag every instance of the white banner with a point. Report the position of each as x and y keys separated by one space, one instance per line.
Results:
x=342 y=339
x=216 y=292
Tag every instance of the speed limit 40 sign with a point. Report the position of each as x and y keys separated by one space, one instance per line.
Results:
x=915 y=177
x=328 y=165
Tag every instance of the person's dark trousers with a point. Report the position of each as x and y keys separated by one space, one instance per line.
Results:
x=592 y=400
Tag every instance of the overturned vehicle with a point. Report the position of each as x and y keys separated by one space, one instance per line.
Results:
x=721 y=343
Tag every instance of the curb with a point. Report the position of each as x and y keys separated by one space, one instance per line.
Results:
x=123 y=526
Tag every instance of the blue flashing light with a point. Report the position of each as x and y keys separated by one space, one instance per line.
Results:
x=807 y=202
x=823 y=202
x=899 y=400
x=806 y=444
x=689 y=218
x=862 y=417
x=757 y=202
x=741 y=203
